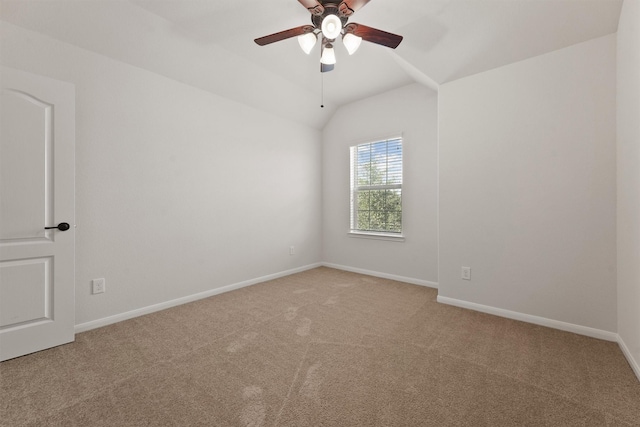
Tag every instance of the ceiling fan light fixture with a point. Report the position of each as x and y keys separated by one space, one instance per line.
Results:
x=351 y=42
x=307 y=42
x=329 y=20
x=328 y=55
x=331 y=26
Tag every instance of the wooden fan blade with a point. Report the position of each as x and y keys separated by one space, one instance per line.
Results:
x=348 y=7
x=282 y=35
x=313 y=6
x=374 y=35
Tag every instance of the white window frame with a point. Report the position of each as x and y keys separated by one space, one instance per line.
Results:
x=354 y=189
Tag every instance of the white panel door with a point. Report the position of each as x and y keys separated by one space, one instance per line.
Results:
x=37 y=149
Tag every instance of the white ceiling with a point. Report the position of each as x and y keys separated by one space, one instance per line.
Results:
x=209 y=43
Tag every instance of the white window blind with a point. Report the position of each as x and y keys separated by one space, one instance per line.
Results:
x=376 y=187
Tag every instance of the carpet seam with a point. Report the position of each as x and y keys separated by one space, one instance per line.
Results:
x=293 y=382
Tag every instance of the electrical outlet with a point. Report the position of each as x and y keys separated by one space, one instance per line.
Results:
x=98 y=286
x=466 y=273
x=292 y=250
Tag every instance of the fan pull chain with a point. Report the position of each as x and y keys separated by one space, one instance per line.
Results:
x=321 y=90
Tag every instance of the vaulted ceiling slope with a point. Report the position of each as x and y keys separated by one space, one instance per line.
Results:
x=209 y=43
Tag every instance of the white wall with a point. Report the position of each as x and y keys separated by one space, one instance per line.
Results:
x=179 y=191
x=528 y=187
x=629 y=181
x=412 y=110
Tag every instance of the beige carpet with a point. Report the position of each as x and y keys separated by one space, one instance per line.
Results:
x=322 y=348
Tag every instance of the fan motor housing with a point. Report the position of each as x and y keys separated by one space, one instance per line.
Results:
x=329 y=9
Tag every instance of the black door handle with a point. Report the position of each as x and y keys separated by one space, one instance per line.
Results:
x=63 y=226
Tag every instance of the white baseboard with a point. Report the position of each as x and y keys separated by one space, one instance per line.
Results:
x=542 y=321
x=83 y=327
x=569 y=327
x=632 y=362
x=383 y=275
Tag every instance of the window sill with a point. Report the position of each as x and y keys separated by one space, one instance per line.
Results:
x=377 y=236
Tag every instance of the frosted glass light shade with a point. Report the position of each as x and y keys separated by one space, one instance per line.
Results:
x=328 y=55
x=307 y=42
x=351 y=42
x=331 y=26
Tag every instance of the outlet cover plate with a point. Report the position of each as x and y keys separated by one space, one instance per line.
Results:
x=98 y=286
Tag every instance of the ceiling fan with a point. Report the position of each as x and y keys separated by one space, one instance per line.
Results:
x=329 y=19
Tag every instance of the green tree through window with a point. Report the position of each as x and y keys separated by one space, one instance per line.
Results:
x=376 y=187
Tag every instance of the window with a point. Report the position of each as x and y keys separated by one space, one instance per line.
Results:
x=376 y=187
